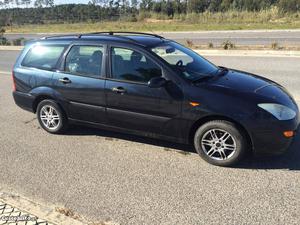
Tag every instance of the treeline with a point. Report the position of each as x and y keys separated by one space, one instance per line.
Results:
x=20 y=12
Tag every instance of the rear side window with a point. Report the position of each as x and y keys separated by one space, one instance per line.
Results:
x=43 y=57
x=85 y=61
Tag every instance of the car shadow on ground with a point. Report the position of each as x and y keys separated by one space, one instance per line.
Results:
x=289 y=161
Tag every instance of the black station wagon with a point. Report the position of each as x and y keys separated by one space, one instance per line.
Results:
x=147 y=85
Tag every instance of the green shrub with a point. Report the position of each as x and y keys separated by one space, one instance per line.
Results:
x=18 y=42
x=2 y=31
x=4 y=41
x=227 y=45
x=144 y=15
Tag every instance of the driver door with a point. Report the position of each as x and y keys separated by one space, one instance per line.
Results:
x=131 y=103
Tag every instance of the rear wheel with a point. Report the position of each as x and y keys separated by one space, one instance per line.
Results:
x=220 y=143
x=51 y=117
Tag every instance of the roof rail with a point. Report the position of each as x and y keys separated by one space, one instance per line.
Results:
x=105 y=33
x=121 y=32
x=61 y=36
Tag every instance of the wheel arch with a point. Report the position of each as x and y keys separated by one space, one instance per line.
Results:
x=206 y=119
x=38 y=99
x=42 y=97
x=43 y=93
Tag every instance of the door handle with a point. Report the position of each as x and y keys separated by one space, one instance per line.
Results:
x=119 y=90
x=65 y=80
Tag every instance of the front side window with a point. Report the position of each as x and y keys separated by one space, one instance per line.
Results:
x=85 y=61
x=43 y=56
x=130 y=65
x=191 y=65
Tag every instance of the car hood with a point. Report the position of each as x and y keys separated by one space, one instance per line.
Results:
x=242 y=82
x=239 y=82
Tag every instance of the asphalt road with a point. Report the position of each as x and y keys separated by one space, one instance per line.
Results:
x=254 y=37
x=132 y=180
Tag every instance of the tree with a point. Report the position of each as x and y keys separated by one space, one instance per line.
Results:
x=134 y=3
x=46 y=12
x=146 y=4
x=225 y=5
x=197 y=6
x=41 y=3
x=178 y=7
x=26 y=2
x=289 y=5
x=214 y=5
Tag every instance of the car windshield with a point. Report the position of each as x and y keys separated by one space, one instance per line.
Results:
x=191 y=65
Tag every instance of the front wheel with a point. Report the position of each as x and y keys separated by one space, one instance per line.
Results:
x=220 y=143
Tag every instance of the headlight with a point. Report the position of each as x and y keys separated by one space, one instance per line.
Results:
x=281 y=112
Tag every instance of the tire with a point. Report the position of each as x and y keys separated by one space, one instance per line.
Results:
x=55 y=123
x=219 y=149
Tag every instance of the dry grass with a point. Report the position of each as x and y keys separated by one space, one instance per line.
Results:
x=232 y=20
x=210 y=45
x=67 y=212
x=275 y=46
x=190 y=43
x=70 y=213
x=103 y=223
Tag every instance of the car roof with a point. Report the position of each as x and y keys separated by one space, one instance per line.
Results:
x=142 y=39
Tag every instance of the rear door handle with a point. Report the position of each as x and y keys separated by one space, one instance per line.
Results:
x=119 y=90
x=65 y=80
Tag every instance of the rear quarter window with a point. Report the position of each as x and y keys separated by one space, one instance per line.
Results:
x=43 y=57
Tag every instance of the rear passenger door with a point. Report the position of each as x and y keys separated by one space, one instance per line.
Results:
x=80 y=82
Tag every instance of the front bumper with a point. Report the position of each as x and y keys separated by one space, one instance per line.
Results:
x=268 y=138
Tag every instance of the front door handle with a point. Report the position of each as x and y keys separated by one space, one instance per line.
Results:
x=119 y=90
x=65 y=80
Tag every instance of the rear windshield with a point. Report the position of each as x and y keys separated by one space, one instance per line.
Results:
x=43 y=56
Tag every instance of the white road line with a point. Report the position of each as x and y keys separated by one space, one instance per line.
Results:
x=250 y=53
x=228 y=31
x=11 y=48
x=5 y=72
x=241 y=55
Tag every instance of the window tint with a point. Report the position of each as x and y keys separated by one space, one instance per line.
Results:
x=85 y=60
x=131 y=65
x=43 y=57
x=173 y=55
x=190 y=65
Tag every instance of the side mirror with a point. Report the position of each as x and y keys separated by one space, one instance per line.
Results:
x=157 y=82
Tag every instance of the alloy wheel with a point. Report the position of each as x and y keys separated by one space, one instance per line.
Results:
x=218 y=144
x=50 y=117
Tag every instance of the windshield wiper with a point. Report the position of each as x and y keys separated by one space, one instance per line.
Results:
x=203 y=78
x=222 y=71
